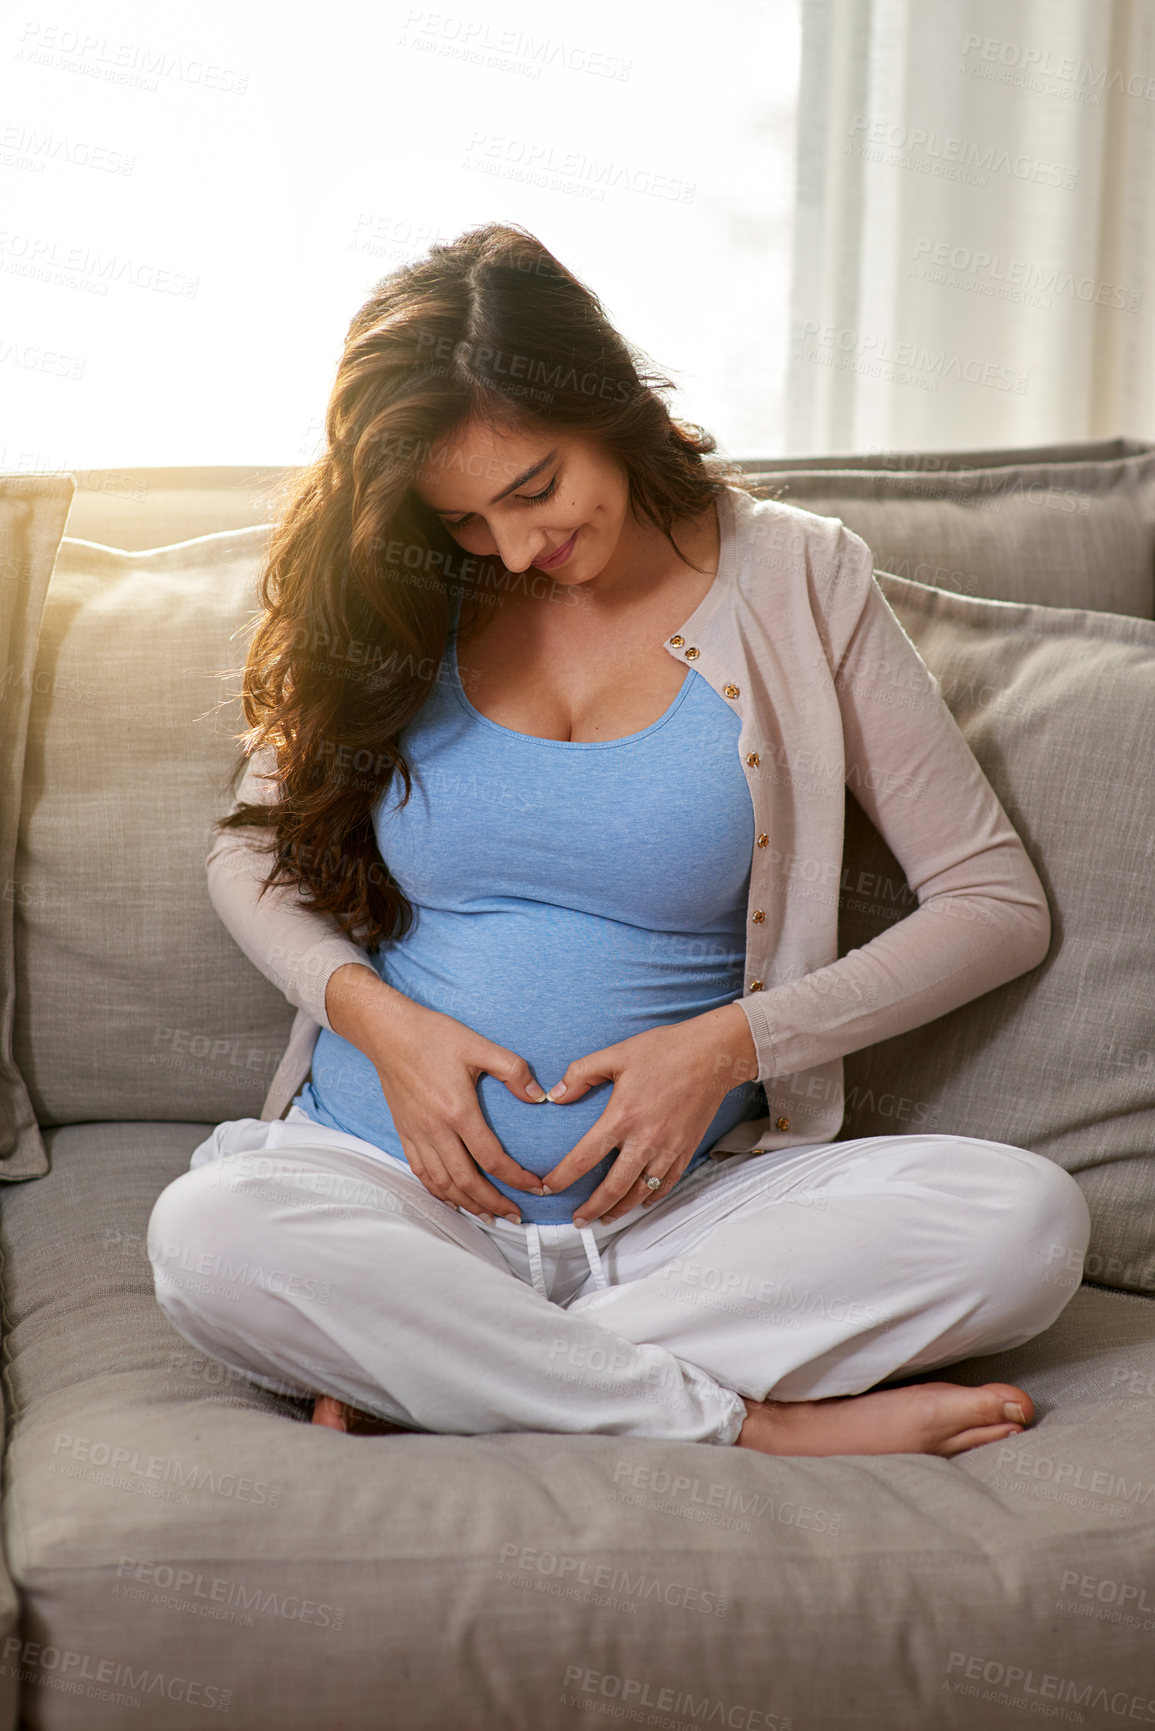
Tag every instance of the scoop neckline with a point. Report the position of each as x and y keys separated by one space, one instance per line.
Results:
x=703 y=611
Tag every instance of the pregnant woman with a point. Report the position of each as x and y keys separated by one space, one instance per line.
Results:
x=550 y=725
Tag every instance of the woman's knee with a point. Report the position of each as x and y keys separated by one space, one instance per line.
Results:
x=195 y=1223
x=1047 y=1223
x=1034 y=1258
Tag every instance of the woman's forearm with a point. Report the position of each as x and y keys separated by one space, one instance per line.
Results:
x=727 y=1031
x=359 y=1004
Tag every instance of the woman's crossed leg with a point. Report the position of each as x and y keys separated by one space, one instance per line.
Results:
x=755 y=1304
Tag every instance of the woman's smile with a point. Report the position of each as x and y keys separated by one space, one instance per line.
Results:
x=560 y=556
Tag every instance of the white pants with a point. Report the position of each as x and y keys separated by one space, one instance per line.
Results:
x=312 y=1263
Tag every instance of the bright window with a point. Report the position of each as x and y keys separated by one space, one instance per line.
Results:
x=196 y=202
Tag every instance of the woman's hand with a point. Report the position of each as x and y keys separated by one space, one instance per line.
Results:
x=668 y=1084
x=428 y=1065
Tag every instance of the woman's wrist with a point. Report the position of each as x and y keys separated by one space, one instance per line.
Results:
x=357 y=998
x=729 y=1034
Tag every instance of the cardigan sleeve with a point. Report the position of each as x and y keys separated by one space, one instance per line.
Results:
x=982 y=917
x=297 y=947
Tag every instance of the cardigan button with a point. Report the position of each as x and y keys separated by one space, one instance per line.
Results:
x=759 y=916
x=677 y=641
x=754 y=986
x=691 y=655
x=783 y=1124
x=763 y=841
x=753 y=759
x=731 y=691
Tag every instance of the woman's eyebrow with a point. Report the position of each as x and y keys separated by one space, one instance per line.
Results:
x=445 y=511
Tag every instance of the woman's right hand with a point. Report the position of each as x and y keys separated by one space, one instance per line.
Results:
x=428 y=1065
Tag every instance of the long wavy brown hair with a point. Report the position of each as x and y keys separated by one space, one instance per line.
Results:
x=355 y=589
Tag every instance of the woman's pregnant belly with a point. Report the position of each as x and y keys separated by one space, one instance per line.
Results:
x=551 y=985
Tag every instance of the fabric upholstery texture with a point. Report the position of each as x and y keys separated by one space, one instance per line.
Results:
x=33 y=509
x=133 y=1000
x=1062 y=534
x=1058 y=706
x=157 y=1502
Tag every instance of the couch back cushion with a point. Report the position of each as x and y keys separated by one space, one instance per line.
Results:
x=141 y=508
x=1069 y=525
x=33 y=509
x=133 y=1000
x=1079 y=532
x=1058 y=706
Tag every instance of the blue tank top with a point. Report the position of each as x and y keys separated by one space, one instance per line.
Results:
x=566 y=894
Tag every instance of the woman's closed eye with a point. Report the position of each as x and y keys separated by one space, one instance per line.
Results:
x=528 y=499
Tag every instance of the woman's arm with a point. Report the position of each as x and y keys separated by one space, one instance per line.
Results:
x=296 y=947
x=983 y=917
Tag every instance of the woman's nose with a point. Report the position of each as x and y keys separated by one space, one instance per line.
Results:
x=517 y=548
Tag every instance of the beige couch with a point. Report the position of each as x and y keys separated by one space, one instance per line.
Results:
x=181 y=1544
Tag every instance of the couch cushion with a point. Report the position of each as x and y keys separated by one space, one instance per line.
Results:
x=133 y=1000
x=33 y=509
x=1058 y=706
x=142 y=508
x=1070 y=532
x=1068 y=524
x=32 y=513
x=1000 y=457
x=165 y=1515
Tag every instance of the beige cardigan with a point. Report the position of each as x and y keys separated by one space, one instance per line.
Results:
x=796 y=634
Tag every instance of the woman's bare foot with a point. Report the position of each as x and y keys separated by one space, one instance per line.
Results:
x=339 y=1415
x=931 y=1418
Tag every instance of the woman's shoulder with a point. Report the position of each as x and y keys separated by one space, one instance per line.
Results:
x=814 y=557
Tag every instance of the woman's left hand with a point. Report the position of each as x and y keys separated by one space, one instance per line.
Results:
x=668 y=1083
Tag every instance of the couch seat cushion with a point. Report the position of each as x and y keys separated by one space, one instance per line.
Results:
x=167 y=1520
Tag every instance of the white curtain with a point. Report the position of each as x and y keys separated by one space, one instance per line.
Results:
x=974 y=225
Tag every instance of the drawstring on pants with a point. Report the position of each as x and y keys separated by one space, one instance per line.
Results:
x=533 y=1242
x=537 y=1270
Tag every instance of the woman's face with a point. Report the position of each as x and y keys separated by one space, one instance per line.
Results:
x=527 y=495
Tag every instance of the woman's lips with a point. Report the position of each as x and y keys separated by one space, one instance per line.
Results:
x=559 y=557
